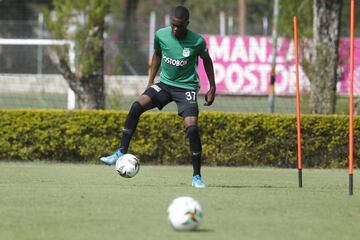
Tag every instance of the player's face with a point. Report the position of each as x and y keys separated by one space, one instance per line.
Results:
x=178 y=27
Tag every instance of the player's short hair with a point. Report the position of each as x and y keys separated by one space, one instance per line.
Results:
x=181 y=12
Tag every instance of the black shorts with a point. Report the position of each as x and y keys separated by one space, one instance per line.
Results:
x=162 y=94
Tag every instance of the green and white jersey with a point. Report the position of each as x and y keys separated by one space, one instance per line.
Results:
x=179 y=58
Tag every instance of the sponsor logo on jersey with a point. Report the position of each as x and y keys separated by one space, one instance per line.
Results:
x=175 y=62
x=186 y=52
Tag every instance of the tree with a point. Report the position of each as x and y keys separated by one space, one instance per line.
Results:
x=133 y=59
x=303 y=9
x=321 y=66
x=319 y=46
x=83 y=22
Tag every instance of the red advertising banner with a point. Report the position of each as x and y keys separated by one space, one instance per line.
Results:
x=242 y=66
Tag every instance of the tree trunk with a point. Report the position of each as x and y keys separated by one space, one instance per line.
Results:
x=324 y=61
x=87 y=81
x=93 y=97
x=93 y=80
x=89 y=87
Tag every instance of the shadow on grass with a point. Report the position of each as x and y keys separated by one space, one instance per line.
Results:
x=200 y=230
x=204 y=230
x=237 y=186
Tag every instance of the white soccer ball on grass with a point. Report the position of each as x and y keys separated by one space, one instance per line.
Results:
x=184 y=213
x=128 y=165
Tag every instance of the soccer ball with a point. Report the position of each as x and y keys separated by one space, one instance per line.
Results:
x=184 y=213
x=127 y=165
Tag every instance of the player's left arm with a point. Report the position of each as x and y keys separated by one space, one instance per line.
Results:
x=209 y=69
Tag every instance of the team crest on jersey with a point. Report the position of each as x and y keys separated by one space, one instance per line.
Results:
x=186 y=52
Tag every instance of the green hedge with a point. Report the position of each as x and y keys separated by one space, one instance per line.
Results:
x=228 y=139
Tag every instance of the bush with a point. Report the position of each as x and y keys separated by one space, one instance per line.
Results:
x=228 y=139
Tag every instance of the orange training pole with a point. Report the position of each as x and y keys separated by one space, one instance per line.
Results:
x=298 y=100
x=351 y=100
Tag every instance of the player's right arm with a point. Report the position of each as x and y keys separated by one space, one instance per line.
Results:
x=154 y=67
x=155 y=60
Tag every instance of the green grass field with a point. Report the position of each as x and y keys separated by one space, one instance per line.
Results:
x=67 y=201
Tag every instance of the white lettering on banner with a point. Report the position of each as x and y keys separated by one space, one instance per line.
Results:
x=279 y=58
x=245 y=78
x=290 y=56
x=344 y=86
x=239 y=51
x=249 y=73
x=219 y=71
x=221 y=51
x=282 y=85
x=264 y=71
x=235 y=70
x=257 y=50
x=253 y=78
x=357 y=74
x=242 y=65
x=356 y=81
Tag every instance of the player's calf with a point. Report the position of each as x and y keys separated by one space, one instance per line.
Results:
x=192 y=132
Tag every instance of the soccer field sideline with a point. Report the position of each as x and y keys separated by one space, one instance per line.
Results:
x=81 y=201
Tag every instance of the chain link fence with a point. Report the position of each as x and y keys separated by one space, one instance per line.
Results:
x=127 y=50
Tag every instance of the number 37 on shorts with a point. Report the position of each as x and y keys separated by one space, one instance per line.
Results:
x=190 y=96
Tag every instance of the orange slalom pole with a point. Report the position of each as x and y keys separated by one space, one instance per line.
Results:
x=298 y=100
x=351 y=100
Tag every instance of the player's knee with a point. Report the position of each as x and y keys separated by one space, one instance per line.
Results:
x=136 y=109
x=193 y=133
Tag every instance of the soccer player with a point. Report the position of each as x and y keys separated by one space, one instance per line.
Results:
x=176 y=52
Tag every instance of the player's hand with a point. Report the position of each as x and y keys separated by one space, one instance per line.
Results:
x=149 y=85
x=210 y=96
